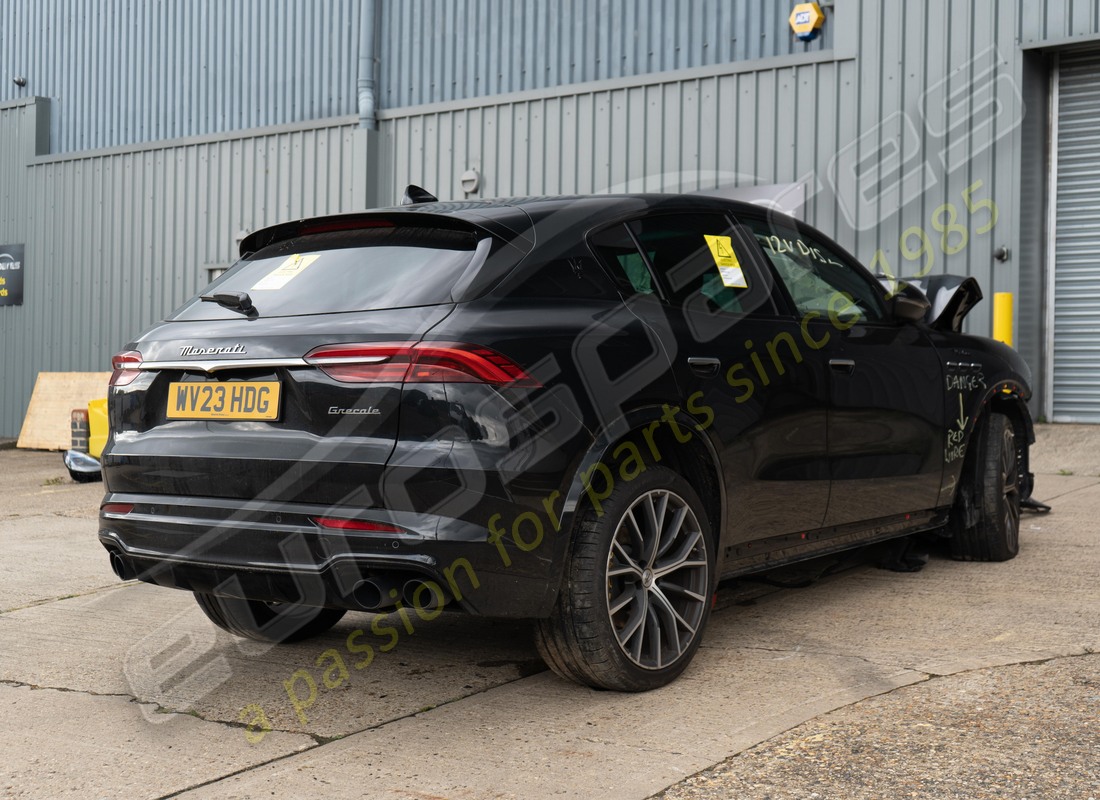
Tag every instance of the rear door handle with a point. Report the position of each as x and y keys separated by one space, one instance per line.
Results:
x=703 y=366
x=845 y=365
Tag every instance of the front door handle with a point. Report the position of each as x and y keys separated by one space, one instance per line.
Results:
x=703 y=366
x=845 y=365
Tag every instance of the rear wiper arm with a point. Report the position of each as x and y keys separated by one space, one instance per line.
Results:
x=234 y=301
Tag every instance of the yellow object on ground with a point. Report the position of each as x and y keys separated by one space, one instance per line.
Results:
x=97 y=427
x=1002 y=317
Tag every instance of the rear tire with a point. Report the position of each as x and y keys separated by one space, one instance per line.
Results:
x=637 y=589
x=994 y=490
x=267 y=622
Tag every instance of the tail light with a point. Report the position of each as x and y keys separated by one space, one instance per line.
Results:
x=423 y=362
x=126 y=366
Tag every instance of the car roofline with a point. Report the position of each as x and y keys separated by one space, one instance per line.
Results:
x=521 y=212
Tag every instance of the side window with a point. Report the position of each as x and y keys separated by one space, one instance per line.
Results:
x=693 y=261
x=694 y=255
x=628 y=269
x=817 y=278
x=577 y=276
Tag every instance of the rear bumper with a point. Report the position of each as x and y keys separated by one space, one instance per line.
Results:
x=277 y=553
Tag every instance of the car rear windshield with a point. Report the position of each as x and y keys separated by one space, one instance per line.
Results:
x=325 y=273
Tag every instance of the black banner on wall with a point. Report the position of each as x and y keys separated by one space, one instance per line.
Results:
x=11 y=274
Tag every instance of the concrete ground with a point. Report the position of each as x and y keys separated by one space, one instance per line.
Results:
x=962 y=680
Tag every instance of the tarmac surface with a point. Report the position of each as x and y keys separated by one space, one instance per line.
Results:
x=962 y=680
x=1021 y=731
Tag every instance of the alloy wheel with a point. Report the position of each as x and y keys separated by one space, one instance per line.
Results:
x=1010 y=480
x=657 y=579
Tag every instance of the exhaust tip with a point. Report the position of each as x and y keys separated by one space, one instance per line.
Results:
x=373 y=595
x=424 y=595
x=122 y=568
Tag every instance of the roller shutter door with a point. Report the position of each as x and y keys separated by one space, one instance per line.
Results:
x=1077 y=242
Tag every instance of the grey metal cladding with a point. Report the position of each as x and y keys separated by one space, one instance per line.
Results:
x=122 y=72
x=436 y=51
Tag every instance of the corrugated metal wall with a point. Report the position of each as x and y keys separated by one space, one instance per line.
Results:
x=17 y=135
x=114 y=242
x=671 y=134
x=125 y=72
x=1052 y=21
x=435 y=50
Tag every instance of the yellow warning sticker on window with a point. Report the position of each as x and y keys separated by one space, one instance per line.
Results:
x=283 y=274
x=721 y=248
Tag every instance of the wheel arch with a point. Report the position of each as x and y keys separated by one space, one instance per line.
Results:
x=696 y=460
x=1008 y=397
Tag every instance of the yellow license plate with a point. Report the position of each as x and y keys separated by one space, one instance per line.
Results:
x=232 y=400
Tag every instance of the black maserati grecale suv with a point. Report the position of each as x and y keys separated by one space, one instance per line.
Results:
x=584 y=411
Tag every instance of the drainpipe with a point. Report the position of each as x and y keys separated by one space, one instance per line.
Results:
x=367 y=45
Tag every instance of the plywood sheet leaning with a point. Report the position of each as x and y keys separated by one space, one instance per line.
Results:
x=55 y=395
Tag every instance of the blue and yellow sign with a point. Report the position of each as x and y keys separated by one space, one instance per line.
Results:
x=806 y=21
x=11 y=274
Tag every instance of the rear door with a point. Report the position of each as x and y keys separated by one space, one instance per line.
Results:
x=886 y=424
x=745 y=373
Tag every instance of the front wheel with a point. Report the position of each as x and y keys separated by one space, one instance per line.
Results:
x=267 y=622
x=994 y=490
x=637 y=590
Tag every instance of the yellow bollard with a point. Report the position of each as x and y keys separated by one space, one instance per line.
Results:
x=1002 y=317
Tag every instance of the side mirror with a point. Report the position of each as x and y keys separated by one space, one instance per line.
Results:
x=952 y=297
x=964 y=297
x=909 y=304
